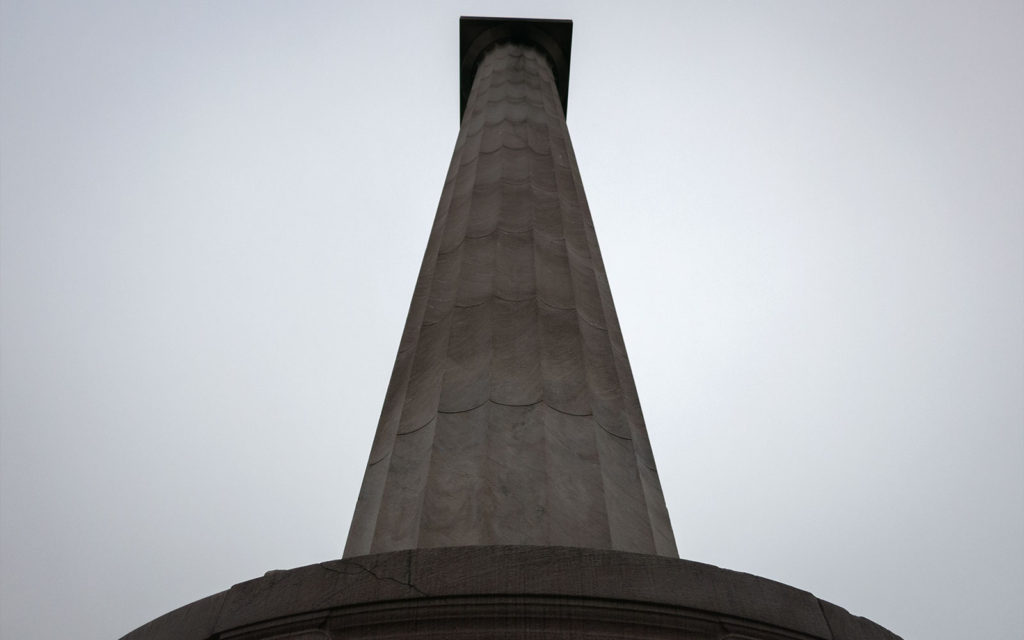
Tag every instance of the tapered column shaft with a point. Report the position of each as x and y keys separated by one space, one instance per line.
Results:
x=512 y=416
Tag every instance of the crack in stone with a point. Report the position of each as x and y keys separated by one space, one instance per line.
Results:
x=373 y=573
x=821 y=608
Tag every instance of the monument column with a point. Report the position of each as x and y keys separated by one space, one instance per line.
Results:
x=511 y=492
x=512 y=417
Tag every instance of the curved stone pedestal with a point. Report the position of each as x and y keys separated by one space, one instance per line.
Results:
x=510 y=593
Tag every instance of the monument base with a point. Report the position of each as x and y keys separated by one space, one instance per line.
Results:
x=510 y=592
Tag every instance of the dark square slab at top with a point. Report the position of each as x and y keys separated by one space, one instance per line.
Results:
x=477 y=35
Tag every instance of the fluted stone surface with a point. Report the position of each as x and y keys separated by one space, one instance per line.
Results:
x=512 y=416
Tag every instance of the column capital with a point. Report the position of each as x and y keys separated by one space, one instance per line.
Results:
x=477 y=35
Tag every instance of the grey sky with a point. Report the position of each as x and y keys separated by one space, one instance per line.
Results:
x=811 y=214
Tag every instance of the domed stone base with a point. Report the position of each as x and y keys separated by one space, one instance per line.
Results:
x=510 y=593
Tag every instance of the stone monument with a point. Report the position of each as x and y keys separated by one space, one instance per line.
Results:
x=511 y=491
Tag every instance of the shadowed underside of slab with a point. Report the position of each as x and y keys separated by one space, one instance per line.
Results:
x=512 y=416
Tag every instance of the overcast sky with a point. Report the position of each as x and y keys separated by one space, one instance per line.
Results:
x=213 y=214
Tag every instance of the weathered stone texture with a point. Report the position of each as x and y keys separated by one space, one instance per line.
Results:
x=512 y=417
x=515 y=593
